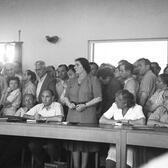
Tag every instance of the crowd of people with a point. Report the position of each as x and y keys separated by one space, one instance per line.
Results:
x=83 y=92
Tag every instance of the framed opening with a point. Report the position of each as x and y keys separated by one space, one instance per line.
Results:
x=112 y=51
x=11 y=52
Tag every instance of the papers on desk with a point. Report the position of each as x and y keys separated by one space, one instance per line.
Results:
x=31 y=121
x=36 y=121
x=44 y=121
x=122 y=124
x=142 y=127
x=118 y=124
x=65 y=122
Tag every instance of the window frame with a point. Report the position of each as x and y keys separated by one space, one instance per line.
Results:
x=91 y=44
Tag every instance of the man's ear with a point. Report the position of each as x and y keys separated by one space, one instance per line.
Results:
x=52 y=98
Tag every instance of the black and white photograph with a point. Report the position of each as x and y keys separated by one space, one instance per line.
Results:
x=83 y=83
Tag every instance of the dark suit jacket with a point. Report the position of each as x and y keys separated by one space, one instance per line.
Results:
x=49 y=83
x=108 y=93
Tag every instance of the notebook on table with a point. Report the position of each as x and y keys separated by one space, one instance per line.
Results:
x=15 y=119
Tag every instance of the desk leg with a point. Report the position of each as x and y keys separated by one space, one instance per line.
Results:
x=123 y=149
x=118 y=154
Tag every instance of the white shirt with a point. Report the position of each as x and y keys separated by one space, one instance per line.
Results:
x=55 y=109
x=133 y=113
x=60 y=86
x=39 y=85
x=21 y=111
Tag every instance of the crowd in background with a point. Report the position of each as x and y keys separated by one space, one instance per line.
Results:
x=83 y=92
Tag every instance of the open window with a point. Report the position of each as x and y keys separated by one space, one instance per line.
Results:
x=112 y=51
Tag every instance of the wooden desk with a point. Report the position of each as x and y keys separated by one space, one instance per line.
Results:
x=91 y=133
x=158 y=137
x=105 y=133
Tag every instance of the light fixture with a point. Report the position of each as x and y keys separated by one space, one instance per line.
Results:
x=52 y=39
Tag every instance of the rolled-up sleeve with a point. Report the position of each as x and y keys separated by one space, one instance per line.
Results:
x=58 y=109
x=33 y=110
x=110 y=113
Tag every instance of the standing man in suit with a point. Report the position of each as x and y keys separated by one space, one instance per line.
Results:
x=61 y=85
x=44 y=81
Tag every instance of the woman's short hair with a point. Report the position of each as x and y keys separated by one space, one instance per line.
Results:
x=32 y=74
x=30 y=95
x=127 y=96
x=85 y=64
x=15 y=78
x=164 y=78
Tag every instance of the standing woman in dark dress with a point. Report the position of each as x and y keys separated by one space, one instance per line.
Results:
x=82 y=95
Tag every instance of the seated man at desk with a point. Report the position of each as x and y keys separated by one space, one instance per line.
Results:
x=49 y=111
x=159 y=118
x=123 y=110
x=160 y=115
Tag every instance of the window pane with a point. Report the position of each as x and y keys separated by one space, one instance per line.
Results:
x=7 y=53
x=114 y=51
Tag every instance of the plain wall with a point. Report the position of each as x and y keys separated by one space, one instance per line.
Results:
x=76 y=22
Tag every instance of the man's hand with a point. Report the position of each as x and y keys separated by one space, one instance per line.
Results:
x=37 y=116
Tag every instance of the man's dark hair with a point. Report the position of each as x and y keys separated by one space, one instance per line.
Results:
x=105 y=72
x=71 y=67
x=147 y=62
x=63 y=65
x=93 y=63
x=128 y=66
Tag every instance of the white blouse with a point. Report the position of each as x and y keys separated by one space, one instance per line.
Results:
x=133 y=113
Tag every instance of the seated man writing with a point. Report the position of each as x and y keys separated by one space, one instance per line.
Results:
x=123 y=110
x=49 y=111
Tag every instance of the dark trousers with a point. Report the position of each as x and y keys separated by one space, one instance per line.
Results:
x=10 y=148
x=44 y=150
